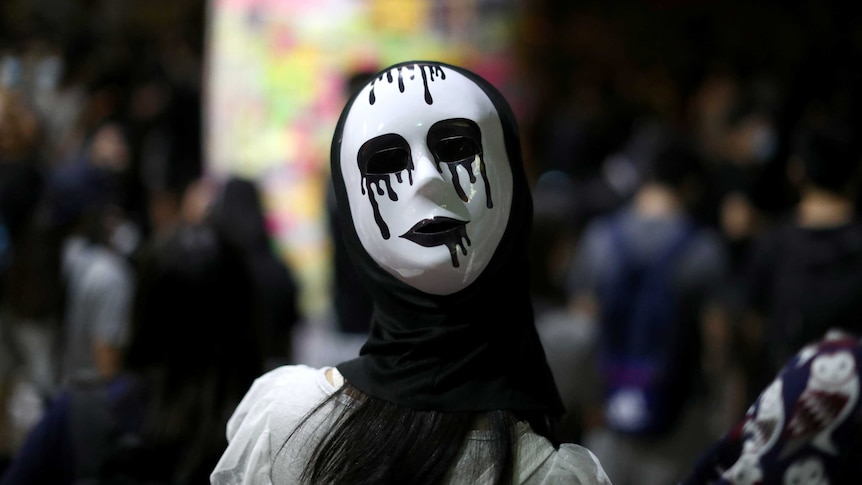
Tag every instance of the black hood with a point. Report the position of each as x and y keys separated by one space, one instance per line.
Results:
x=473 y=350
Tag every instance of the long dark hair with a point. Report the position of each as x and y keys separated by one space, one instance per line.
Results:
x=194 y=345
x=372 y=441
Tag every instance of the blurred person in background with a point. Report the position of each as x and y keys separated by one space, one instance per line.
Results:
x=238 y=214
x=647 y=276
x=109 y=152
x=736 y=127
x=98 y=281
x=805 y=274
x=104 y=101
x=165 y=139
x=28 y=308
x=191 y=356
x=21 y=165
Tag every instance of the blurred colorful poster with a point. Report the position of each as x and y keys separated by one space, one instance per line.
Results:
x=276 y=81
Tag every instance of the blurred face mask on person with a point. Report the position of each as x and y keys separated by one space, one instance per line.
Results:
x=427 y=176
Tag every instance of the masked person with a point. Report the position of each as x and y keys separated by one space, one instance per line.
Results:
x=452 y=385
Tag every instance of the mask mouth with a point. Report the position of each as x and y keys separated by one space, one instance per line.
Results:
x=436 y=231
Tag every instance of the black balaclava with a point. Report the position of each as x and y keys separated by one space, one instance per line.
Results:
x=436 y=213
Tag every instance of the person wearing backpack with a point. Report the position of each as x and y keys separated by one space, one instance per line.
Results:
x=647 y=273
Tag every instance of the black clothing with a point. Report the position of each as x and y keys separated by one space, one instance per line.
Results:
x=806 y=281
x=473 y=350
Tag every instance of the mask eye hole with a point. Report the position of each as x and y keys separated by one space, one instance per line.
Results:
x=455 y=149
x=389 y=160
x=383 y=155
x=455 y=140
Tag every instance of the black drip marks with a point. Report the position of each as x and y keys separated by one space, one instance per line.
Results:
x=429 y=73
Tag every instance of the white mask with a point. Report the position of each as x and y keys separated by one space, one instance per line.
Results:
x=427 y=176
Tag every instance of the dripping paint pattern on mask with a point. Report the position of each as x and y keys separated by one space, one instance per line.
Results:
x=441 y=231
x=423 y=158
x=458 y=143
x=428 y=72
x=378 y=159
x=454 y=143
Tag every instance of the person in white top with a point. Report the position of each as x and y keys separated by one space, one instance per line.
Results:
x=452 y=385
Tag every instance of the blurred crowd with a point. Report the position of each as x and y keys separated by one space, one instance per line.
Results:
x=122 y=268
x=136 y=295
x=650 y=120
x=641 y=119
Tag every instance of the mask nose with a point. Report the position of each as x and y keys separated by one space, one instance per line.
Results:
x=430 y=182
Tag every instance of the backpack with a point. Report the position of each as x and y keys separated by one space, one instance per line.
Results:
x=641 y=337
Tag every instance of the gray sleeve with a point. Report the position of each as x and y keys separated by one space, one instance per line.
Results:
x=112 y=306
x=574 y=465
